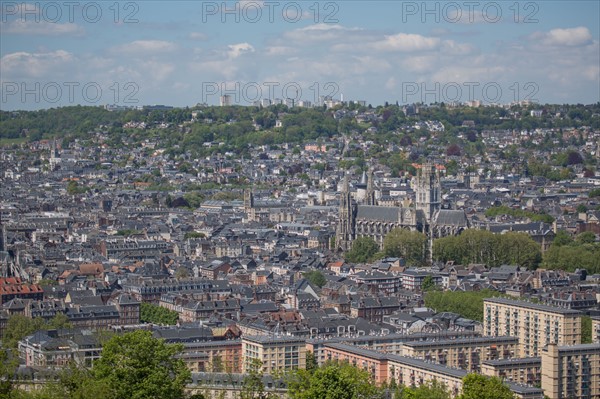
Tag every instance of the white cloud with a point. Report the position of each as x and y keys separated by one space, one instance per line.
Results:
x=235 y=50
x=34 y=65
x=145 y=47
x=569 y=37
x=41 y=28
x=407 y=42
x=198 y=36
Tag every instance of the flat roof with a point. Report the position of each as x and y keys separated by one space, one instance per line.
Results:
x=422 y=364
x=265 y=339
x=580 y=348
x=534 y=306
x=356 y=350
x=409 y=361
x=463 y=341
x=514 y=361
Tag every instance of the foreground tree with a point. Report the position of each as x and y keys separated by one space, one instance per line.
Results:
x=138 y=366
x=333 y=381
x=476 y=386
x=430 y=390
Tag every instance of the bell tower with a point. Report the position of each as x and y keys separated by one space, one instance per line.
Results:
x=345 y=228
x=428 y=190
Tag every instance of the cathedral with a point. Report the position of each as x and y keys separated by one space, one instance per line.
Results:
x=365 y=218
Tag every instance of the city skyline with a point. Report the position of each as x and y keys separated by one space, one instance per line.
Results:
x=184 y=53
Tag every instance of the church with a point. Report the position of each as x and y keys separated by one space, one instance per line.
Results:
x=364 y=217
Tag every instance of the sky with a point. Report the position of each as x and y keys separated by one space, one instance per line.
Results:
x=181 y=53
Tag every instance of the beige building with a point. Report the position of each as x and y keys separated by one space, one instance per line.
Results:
x=596 y=330
x=276 y=354
x=571 y=372
x=466 y=354
x=534 y=325
x=524 y=370
x=403 y=370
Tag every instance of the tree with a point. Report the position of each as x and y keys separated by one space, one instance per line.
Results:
x=468 y=304
x=316 y=277
x=8 y=365
x=311 y=361
x=586 y=237
x=59 y=321
x=18 y=327
x=453 y=150
x=562 y=238
x=252 y=385
x=476 y=386
x=136 y=365
x=363 y=250
x=151 y=313
x=333 y=381
x=574 y=158
x=482 y=246
x=586 y=330
x=428 y=283
x=429 y=390
x=406 y=244
x=182 y=272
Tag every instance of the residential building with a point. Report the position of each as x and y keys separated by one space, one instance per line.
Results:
x=596 y=330
x=466 y=354
x=523 y=370
x=276 y=353
x=13 y=287
x=535 y=325
x=408 y=371
x=571 y=372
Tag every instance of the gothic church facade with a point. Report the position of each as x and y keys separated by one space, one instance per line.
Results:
x=368 y=219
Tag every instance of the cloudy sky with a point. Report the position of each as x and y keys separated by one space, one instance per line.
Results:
x=185 y=52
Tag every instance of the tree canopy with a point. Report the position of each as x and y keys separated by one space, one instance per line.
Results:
x=333 y=380
x=19 y=326
x=476 y=386
x=569 y=254
x=136 y=365
x=406 y=244
x=364 y=249
x=482 y=246
x=468 y=304
x=316 y=277
x=151 y=313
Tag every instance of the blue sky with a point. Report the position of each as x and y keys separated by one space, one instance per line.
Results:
x=185 y=52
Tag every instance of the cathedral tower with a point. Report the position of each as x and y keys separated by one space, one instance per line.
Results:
x=428 y=190
x=345 y=230
x=370 y=198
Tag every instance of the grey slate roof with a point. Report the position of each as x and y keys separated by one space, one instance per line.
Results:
x=379 y=213
x=447 y=217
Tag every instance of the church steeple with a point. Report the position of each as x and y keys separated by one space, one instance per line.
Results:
x=428 y=190
x=345 y=231
x=370 y=197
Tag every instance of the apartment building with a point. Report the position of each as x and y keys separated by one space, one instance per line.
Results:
x=213 y=356
x=409 y=371
x=276 y=353
x=466 y=354
x=535 y=325
x=374 y=362
x=524 y=370
x=596 y=330
x=389 y=343
x=571 y=372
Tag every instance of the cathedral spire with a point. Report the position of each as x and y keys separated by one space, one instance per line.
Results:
x=345 y=230
x=370 y=188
